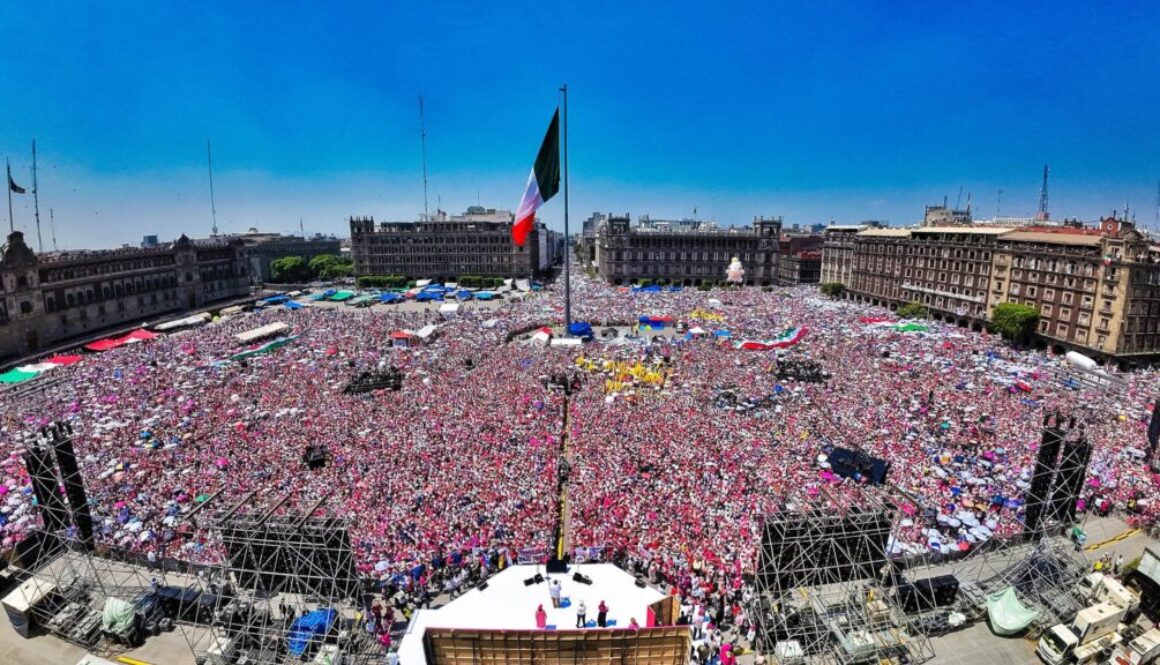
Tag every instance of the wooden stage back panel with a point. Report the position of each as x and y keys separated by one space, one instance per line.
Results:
x=647 y=646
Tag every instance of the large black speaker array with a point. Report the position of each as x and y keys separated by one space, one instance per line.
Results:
x=45 y=485
x=928 y=594
x=1154 y=430
x=858 y=465
x=1058 y=478
x=812 y=549
x=1073 y=464
x=1043 y=477
x=74 y=487
x=291 y=555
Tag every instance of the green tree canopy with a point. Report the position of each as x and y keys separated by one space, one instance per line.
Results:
x=912 y=310
x=331 y=266
x=289 y=270
x=1015 y=321
x=834 y=289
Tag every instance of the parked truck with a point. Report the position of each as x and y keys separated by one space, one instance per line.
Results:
x=1145 y=579
x=1144 y=650
x=1094 y=632
x=1100 y=588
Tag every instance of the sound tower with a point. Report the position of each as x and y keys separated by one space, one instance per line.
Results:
x=1154 y=430
x=1069 y=479
x=815 y=548
x=1041 y=481
x=45 y=484
x=74 y=486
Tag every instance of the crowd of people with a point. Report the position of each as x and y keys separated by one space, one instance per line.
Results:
x=459 y=469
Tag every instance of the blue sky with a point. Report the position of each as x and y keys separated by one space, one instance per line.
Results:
x=844 y=110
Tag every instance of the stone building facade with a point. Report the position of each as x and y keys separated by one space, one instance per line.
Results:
x=48 y=299
x=625 y=254
x=838 y=253
x=1097 y=288
x=476 y=243
x=799 y=259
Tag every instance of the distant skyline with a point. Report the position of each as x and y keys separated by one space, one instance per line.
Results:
x=848 y=111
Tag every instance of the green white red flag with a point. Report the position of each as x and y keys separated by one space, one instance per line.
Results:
x=543 y=182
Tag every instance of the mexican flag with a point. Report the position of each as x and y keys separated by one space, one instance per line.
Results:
x=543 y=182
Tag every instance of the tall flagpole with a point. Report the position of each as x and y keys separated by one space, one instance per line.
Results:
x=36 y=199
x=8 y=186
x=567 y=252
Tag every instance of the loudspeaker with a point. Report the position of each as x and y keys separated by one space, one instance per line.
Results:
x=640 y=583
x=1073 y=464
x=530 y=581
x=582 y=579
x=45 y=484
x=539 y=578
x=482 y=586
x=74 y=489
x=314 y=457
x=928 y=594
x=1040 y=491
x=557 y=566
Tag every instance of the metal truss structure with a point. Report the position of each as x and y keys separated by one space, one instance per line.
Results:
x=823 y=582
x=284 y=591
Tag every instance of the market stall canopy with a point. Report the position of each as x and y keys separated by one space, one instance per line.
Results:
x=262 y=331
x=139 y=335
x=187 y=322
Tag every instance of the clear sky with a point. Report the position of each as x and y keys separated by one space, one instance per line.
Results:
x=840 y=110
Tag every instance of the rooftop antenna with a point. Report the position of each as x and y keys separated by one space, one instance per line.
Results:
x=301 y=229
x=959 y=198
x=423 y=144
x=36 y=199
x=1043 y=215
x=999 y=204
x=52 y=226
x=968 y=203
x=212 y=205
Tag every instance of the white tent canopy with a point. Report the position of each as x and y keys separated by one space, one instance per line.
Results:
x=264 y=331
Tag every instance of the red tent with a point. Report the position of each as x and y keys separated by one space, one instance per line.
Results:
x=139 y=335
x=104 y=344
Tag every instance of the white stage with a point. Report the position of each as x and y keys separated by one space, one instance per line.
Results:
x=508 y=604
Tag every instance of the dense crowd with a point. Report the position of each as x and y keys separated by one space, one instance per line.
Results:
x=457 y=474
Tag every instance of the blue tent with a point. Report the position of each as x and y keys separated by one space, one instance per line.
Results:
x=485 y=295
x=294 y=305
x=581 y=329
x=307 y=627
x=429 y=296
x=464 y=295
x=676 y=289
x=646 y=289
x=276 y=300
x=391 y=297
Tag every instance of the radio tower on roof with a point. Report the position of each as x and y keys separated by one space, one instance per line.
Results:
x=1043 y=215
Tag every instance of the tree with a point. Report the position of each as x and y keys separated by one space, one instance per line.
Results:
x=331 y=266
x=1014 y=321
x=289 y=270
x=912 y=310
x=834 y=289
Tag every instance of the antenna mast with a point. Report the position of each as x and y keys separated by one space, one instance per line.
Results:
x=36 y=199
x=423 y=144
x=999 y=204
x=52 y=226
x=1043 y=215
x=212 y=205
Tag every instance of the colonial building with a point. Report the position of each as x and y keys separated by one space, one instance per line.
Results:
x=838 y=253
x=804 y=267
x=51 y=298
x=686 y=254
x=479 y=242
x=1097 y=289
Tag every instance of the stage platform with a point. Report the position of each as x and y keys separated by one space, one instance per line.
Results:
x=507 y=604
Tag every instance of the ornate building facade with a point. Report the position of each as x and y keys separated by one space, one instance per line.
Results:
x=625 y=254
x=49 y=299
x=1097 y=288
x=479 y=242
